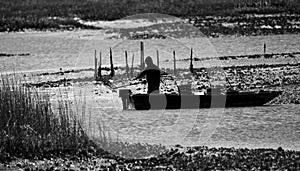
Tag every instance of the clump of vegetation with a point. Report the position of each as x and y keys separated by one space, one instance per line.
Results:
x=28 y=125
x=33 y=125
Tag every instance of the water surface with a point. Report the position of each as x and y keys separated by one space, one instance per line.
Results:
x=76 y=49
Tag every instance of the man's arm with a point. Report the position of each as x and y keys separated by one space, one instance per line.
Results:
x=141 y=75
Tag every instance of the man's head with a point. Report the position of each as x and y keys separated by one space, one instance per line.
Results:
x=148 y=61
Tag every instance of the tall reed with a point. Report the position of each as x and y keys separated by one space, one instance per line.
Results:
x=28 y=124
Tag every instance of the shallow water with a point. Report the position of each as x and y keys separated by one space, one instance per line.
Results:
x=76 y=49
x=256 y=127
x=267 y=126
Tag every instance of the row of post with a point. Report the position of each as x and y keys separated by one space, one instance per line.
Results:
x=98 y=65
x=129 y=71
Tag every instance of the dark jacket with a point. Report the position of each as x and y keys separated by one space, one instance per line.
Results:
x=152 y=74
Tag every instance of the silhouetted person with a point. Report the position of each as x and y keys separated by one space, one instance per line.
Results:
x=152 y=73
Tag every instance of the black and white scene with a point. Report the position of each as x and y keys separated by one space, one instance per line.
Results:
x=162 y=85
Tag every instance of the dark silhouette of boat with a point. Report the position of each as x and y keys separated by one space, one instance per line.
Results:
x=192 y=101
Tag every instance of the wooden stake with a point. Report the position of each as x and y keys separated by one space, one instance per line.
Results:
x=131 y=72
x=265 y=48
x=95 y=58
x=100 y=66
x=142 y=56
x=112 y=71
x=126 y=60
x=174 y=57
x=157 y=57
x=191 y=61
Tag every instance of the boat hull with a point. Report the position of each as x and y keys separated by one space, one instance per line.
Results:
x=191 y=101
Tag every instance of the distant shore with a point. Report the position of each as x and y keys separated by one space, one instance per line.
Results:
x=210 y=26
x=213 y=18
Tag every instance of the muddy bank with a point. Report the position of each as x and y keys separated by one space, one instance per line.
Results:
x=176 y=158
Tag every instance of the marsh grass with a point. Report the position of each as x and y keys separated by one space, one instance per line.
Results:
x=28 y=125
x=34 y=125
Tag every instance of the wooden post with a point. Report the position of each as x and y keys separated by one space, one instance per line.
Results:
x=95 y=58
x=174 y=57
x=157 y=57
x=126 y=61
x=112 y=71
x=191 y=61
x=265 y=48
x=100 y=66
x=131 y=72
x=142 y=56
